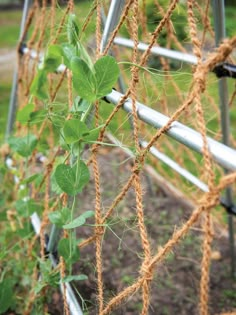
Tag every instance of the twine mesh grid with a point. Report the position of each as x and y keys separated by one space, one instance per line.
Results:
x=181 y=92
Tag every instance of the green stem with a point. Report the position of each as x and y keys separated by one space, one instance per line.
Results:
x=72 y=232
x=87 y=112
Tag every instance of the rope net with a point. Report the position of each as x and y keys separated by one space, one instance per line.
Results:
x=181 y=92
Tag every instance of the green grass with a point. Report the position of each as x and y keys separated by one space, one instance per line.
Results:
x=5 y=90
x=9 y=28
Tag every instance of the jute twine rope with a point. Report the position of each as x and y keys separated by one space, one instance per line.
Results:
x=198 y=87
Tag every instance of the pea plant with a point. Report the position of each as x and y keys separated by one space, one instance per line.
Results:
x=72 y=130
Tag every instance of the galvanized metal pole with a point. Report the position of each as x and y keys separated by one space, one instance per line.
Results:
x=219 y=26
x=176 y=167
x=110 y=23
x=13 y=97
x=158 y=51
x=222 y=154
x=111 y=20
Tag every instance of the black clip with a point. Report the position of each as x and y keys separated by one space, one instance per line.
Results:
x=22 y=48
x=225 y=70
x=231 y=209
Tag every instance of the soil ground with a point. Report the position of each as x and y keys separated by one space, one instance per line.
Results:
x=175 y=288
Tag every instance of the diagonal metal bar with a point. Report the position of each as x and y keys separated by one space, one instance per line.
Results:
x=158 y=51
x=222 y=154
x=176 y=167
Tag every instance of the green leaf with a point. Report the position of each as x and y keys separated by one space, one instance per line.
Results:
x=54 y=185
x=72 y=179
x=6 y=295
x=39 y=287
x=30 y=179
x=72 y=29
x=53 y=58
x=24 y=146
x=93 y=135
x=68 y=249
x=80 y=105
x=84 y=55
x=23 y=116
x=38 y=116
x=79 y=221
x=83 y=79
x=64 y=248
x=75 y=278
x=106 y=74
x=26 y=231
x=68 y=52
x=83 y=175
x=57 y=120
x=27 y=207
x=59 y=218
x=73 y=130
x=39 y=85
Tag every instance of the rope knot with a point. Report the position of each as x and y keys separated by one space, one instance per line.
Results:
x=199 y=78
x=135 y=76
x=146 y=272
x=99 y=231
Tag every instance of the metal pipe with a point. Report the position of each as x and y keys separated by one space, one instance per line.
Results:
x=70 y=296
x=158 y=51
x=27 y=4
x=13 y=97
x=111 y=21
x=222 y=154
x=219 y=26
x=176 y=167
x=12 y=105
x=53 y=238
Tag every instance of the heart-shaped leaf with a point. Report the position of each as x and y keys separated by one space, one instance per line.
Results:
x=74 y=130
x=6 y=295
x=23 y=116
x=39 y=85
x=69 y=250
x=83 y=79
x=72 y=179
x=106 y=74
x=59 y=218
x=24 y=146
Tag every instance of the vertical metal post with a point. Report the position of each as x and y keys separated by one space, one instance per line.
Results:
x=111 y=20
x=13 y=97
x=109 y=25
x=53 y=239
x=219 y=26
